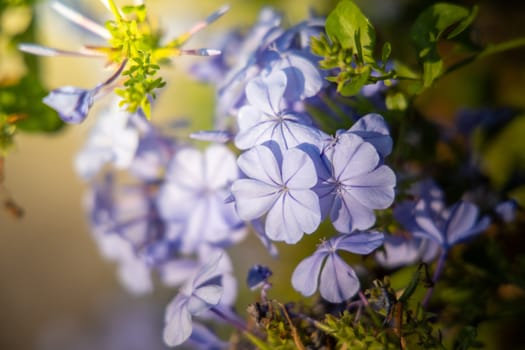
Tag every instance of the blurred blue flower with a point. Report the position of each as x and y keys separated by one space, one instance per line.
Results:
x=133 y=271
x=451 y=226
x=279 y=186
x=337 y=281
x=428 y=217
x=152 y=156
x=113 y=139
x=125 y=224
x=353 y=182
x=203 y=339
x=489 y=119
x=258 y=275
x=125 y=210
x=71 y=103
x=267 y=47
x=192 y=198
x=203 y=292
x=507 y=210
x=266 y=119
x=401 y=251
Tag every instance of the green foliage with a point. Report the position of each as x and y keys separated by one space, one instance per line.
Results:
x=20 y=96
x=348 y=49
x=440 y=21
x=353 y=335
x=18 y=111
x=347 y=25
x=135 y=40
x=19 y=100
x=12 y=3
x=273 y=318
x=140 y=85
x=383 y=322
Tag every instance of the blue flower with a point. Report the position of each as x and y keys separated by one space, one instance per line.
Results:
x=279 y=187
x=267 y=48
x=451 y=226
x=113 y=139
x=371 y=128
x=400 y=251
x=71 y=103
x=507 y=210
x=353 y=182
x=126 y=226
x=192 y=199
x=128 y=211
x=428 y=217
x=194 y=298
x=152 y=156
x=337 y=281
x=266 y=119
x=257 y=276
x=203 y=339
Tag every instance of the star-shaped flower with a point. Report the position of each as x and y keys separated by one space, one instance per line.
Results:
x=267 y=119
x=353 y=182
x=337 y=281
x=279 y=186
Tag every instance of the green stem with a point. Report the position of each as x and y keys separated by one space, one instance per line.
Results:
x=256 y=341
x=115 y=10
x=488 y=51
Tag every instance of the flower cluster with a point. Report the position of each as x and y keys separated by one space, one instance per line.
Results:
x=290 y=176
x=292 y=148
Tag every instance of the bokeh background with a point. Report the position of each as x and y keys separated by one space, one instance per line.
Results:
x=56 y=291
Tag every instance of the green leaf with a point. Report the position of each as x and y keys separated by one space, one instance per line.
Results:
x=353 y=86
x=385 y=53
x=319 y=46
x=347 y=25
x=439 y=21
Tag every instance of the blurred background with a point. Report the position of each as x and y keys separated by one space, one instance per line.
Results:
x=56 y=291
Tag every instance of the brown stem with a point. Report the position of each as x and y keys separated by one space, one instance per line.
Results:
x=295 y=335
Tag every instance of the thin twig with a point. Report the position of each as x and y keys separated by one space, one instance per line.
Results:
x=295 y=335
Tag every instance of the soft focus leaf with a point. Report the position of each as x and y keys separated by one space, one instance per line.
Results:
x=24 y=99
x=396 y=101
x=440 y=21
x=505 y=154
x=385 y=52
